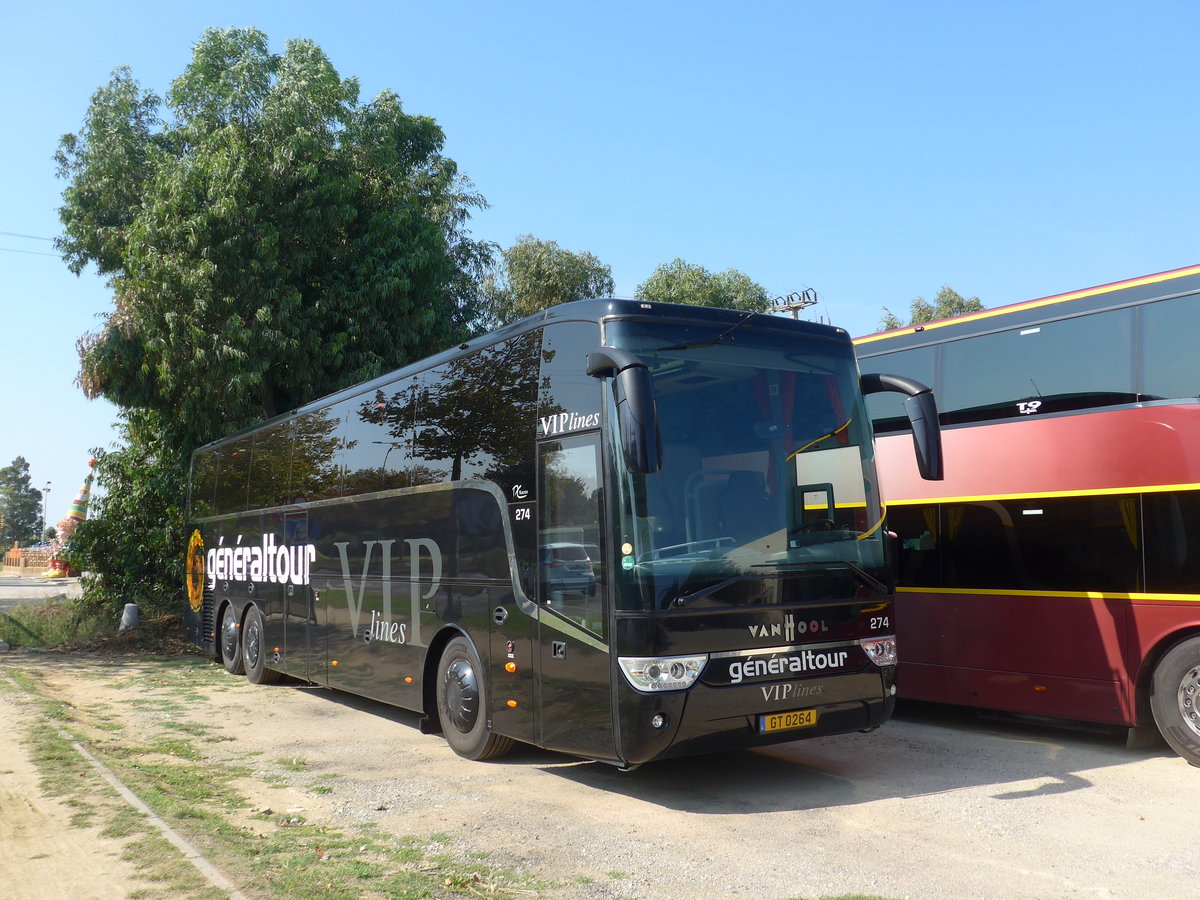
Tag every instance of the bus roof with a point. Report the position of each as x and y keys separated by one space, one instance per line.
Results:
x=1174 y=281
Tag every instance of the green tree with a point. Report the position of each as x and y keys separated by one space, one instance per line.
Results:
x=268 y=239
x=536 y=274
x=20 y=504
x=129 y=545
x=946 y=305
x=684 y=282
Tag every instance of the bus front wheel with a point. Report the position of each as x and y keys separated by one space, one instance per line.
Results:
x=231 y=643
x=1175 y=698
x=254 y=651
x=462 y=703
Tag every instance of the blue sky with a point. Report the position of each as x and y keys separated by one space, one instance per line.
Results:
x=871 y=151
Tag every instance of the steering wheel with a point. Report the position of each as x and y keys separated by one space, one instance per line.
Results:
x=819 y=525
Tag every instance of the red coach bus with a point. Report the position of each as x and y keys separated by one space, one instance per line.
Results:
x=1056 y=570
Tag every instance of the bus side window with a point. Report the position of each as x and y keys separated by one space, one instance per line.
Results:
x=270 y=467
x=316 y=456
x=204 y=483
x=565 y=386
x=233 y=476
x=570 y=543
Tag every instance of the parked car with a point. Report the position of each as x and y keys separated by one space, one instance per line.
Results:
x=566 y=567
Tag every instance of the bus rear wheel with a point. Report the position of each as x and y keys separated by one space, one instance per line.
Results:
x=254 y=651
x=1175 y=698
x=231 y=643
x=462 y=703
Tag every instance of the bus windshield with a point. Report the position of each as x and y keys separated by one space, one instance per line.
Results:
x=767 y=476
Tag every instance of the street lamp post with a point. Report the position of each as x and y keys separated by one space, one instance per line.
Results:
x=42 y=530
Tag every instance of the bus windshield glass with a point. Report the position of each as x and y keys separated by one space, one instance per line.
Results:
x=767 y=491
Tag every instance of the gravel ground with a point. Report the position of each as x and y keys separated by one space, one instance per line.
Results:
x=934 y=805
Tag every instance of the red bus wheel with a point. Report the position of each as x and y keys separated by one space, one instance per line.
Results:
x=462 y=703
x=1175 y=698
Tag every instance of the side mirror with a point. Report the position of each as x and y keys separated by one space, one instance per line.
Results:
x=637 y=416
x=922 y=416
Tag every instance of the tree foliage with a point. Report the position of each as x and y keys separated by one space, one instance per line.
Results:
x=946 y=305
x=684 y=282
x=20 y=504
x=268 y=239
x=129 y=546
x=537 y=274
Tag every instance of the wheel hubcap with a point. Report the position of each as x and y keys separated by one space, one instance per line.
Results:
x=1189 y=699
x=461 y=691
x=252 y=644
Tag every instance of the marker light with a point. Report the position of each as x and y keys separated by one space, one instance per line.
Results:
x=881 y=651
x=512 y=704
x=510 y=667
x=650 y=674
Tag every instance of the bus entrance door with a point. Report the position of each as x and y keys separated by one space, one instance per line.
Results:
x=303 y=615
x=573 y=664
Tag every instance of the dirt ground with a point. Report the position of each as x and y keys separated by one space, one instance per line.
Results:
x=934 y=805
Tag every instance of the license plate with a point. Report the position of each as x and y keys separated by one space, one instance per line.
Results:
x=785 y=721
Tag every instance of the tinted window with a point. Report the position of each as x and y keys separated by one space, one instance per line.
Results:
x=1072 y=544
x=269 y=467
x=233 y=479
x=1172 y=526
x=887 y=409
x=316 y=452
x=919 y=532
x=474 y=416
x=571 y=580
x=376 y=441
x=442 y=438
x=566 y=388
x=507 y=408
x=1169 y=330
x=204 y=483
x=1072 y=364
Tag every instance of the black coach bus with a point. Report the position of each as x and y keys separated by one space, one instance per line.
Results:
x=616 y=529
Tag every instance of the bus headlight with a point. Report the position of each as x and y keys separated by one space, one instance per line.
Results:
x=651 y=674
x=881 y=651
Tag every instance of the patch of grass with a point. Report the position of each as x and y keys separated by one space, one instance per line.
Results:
x=47 y=623
x=180 y=769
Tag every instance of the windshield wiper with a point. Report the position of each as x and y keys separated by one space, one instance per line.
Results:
x=719 y=339
x=685 y=599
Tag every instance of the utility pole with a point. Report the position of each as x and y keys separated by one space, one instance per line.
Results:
x=794 y=302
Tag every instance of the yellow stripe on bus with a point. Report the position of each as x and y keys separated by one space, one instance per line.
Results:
x=1050 y=495
x=1090 y=595
x=1034 y=304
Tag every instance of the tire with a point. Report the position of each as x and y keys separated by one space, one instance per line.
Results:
x=254 y=651
x=462 y=703
x=231 y=643
x=1175 y=698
